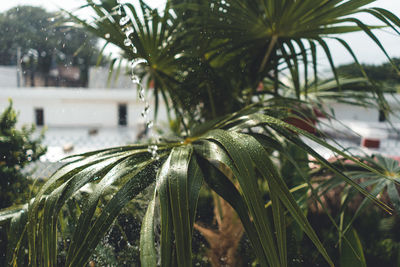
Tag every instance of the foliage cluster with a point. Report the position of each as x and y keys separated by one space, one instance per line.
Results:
x=44 y=40
x=383 y=73
x=17 y=149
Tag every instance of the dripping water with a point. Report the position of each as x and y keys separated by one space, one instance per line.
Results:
x=128 y=30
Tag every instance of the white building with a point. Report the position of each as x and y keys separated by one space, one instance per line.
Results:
x=64 y=107
x=8 y=76
x=357 y=113
x=80 y=120
x=99 y=78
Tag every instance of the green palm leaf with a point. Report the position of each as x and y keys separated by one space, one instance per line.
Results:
x=148 y=254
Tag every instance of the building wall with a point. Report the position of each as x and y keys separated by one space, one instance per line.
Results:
x=348 y=112
x=98 y=78
x=75 y=107
x=8 y=76
x=357 y=113
x=99 y=107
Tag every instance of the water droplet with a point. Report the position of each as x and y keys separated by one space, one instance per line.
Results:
x=177 y=56
x=124 y=20
x=135 y=79
x=147 y=107
x=119 y=10
x=127 y=42
x=153 y=150
x=169 y=39
x=128 y=31
x=152 y=147
x=135 y=62
x=149 y=124
x=141 y=94
x=107 y=35
x=29 y=154
x=145 y=111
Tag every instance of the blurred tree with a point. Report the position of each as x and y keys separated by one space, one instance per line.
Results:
x=383 y=73
x=17 y=149
x=44 y=42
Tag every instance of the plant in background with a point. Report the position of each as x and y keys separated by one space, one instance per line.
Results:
x=207 y=59
x=225 y=240
x=44 y=45
x=18 y=148
x=356 y=216
x=382 y=73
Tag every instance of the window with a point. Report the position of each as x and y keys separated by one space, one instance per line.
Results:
x=382 y=115
x=122 y=114
x=39 y=116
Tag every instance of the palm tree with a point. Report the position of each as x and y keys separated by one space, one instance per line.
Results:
x=207 y=60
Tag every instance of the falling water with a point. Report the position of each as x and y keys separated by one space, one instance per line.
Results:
x=128 y=30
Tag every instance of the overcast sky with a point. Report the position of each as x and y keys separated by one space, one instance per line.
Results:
x=54 y=5
x=364 y=48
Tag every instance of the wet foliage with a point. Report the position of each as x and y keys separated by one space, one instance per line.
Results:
x=221 y=68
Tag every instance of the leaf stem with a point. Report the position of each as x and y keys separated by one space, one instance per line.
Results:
x=272 y=44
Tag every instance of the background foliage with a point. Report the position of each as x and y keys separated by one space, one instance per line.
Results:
x=383 y=73
x=44 y=41
x=17 y=149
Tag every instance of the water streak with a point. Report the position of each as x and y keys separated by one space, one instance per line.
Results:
x=123 y=21
x=128 y=31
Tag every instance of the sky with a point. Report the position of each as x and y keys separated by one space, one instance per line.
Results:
x=54 y=5
x=365 y=49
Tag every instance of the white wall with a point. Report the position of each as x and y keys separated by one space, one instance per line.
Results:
x=98 y=78
x=8 y=76
x=357 y=113
x=67 y=107
x=75 y=107
x=349 y=112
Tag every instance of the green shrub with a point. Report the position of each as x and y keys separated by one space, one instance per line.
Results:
x=17 y=149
